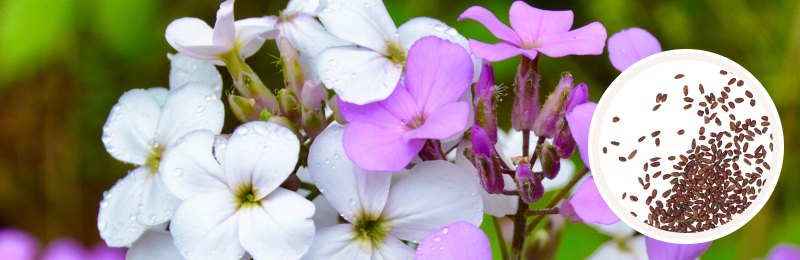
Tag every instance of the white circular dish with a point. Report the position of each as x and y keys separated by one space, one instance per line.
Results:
x=632 y=97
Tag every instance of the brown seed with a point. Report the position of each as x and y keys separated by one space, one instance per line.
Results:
x=615 y=119
x=622 y=159
x=656 y=133
x=633 y=198
x=656 y=107
x=645 y=167
x=666 y=193
x=688 y=99
x=732 y=117
x=634 y=214
x=764 y=123
x=649 y=199
x=687 y=106
x=605 y=150
x=727 y=89
x=658 y=98
x=730 y=82
x=658 y=141
x=748 y=94
x=655 y=159
x=731 y=105
x=740 y=83
x=723 y=72
x=647 y=186
x=752 y=102
x=680 y=132
x=630 y=156
x=615 y=143
x=702 y=130
x=647 y=177
x=702 y=91
x=678 y=76
x=641 y=139
x=624 y=194
x=663 y=98
x=655 y=164
x=739 y=100
x=656 y=175
x=766 y=165
x=671 y=158
x=685 y=90
x=641 y=181
x=718 y=122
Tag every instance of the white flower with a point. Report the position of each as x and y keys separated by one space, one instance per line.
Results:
x=157 y=245
x=193 y=37
x=370 y=70
x=623 y=245
x=185 y=69
x=143 y=125
x=433 y=194
x=232 y=202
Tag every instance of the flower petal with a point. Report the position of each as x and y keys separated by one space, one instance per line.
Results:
x=117 y=217
x=580 y=120
x=590 y=206
x=352 y=191
x=419 y=27
x=633 y=249
x=784 y=252
x=448 y=120
x=131 y=126
x=434 y=194
x=578 y=95
x=185 y=69
x=307 y=7
x=252 y=32
x=392 y=248
x=260 y=154
x=359 y=75
x=460 y=240
x=224 y=28
x=392 y=113
x=192 y=36
x=157 y=204
x=437 y=72
x=102 y=251
x=188 y=108
x=531 y=23
x=336 y=242
x=308 y=36
x=363 y=22
x=374 y=148
x=587 y=40
x=159 y=93
x=629 y=46
x=154 y=244
x=498 y=51
x=64 y=249
x=207 y=225
x=190 y=168
x=280 y=227
x=15 y=244
x=658 y=250
x=498 y=205
x=498 y=29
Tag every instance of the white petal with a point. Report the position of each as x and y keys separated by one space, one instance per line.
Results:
x=419 y=27
x=185 y=69
x=188 y=108
x=497 y=205
x=363 y=22
x=192 y=36
x=262 y=155
x=358 y=75
x=336 y=242
x=206 y=226
x=159 y=93
x=158 y=204
x=391 y=249
x=154 y=244
x=433 y=195
x=325 y=214
x=220 y=144
x=308 y=36
x=131 y=126
x=355 y=193
x=618 y=230
x=308 y=7
x=252 y=32
x=189 y=168
x=280 y=228
x=634 y=250
x=117 y=218
x=224 y=29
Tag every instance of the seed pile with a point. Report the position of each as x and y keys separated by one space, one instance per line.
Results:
x=709 y=186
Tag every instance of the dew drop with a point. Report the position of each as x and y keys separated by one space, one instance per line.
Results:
x=178 y=172
x=101 y=225
x=445 y=230
x=104 y=204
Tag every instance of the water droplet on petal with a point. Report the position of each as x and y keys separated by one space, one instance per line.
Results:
x=445 y=230
x=178 y=172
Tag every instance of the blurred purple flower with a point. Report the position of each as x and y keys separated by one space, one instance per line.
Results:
x=457 y=241
x=784 y=252
x=658 y=250
x=629 y=46
x=16 y=244
x=535 y=30
x=387 y=135
x=589 y=206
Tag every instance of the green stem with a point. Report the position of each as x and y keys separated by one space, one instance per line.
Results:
x=558 y=197
x=500 y=238
x=314 y=192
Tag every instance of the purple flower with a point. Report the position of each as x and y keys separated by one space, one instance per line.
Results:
x=784 y=252
x=629 y=46
x=579 y=120
x=486 y=161
x=484 y=105
x=535 y=30
x=386 y=135
x=658 y=250
x=589 y=206
x=457 y=241
x=15 y=244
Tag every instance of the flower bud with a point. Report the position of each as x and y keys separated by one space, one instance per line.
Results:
x=290 y=65
x=563 y=141
x=244 y=108
x=485 y=107
x=579 y=95
x=289 y=105
x=486 y=162
x=530 y=189
x=313 y=122
x=312 y=96
x=526 y=95
x=248 y=84
x=550 y=161
x=568 y=211
x=553 y=109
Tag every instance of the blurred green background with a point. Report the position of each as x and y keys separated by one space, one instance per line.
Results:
x=64 y=63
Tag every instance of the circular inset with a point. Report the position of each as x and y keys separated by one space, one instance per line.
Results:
x=686 y=146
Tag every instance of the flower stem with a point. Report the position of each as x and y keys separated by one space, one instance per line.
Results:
x=526 y=139
x=500 y=238
x=519 y=230
x=314 y=192
x=549 y=211
x=511 y=192
x=558 y=197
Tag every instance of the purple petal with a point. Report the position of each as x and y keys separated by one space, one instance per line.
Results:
x=391 y=113
x=480 y=142
x=486 y=80
x=64 y=249
x=101 y=251
x=784 y=252
x=374 y=148
x=530 y=23
x=498 y=51
x=590 y=206
x=437 y=72
x=629 y=46
x=15 y=244
x=485 y=17
x=587 y=40
x=568 y=211
x=457 y=241
x=579 y=120
x=443 y=123
x=658 y=250
x=579 y=95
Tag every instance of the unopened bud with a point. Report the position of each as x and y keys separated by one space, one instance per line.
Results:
x=553 y=109
x=530 y=189
x=290 y=65
x=579 y=95
x=285 y=122
x=563 y=141
x=248 y=84
x=289 y=105
x=312 y=96
x=244 y=108
x=313 y=122
x=526 y=95
x=484 y=101
x=550 y=161
x=568 y=211
x=486 y=162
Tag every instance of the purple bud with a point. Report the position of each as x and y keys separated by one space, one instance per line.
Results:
x=579 y=95
x=485 y=107
x=312 y=96
x=553 y=109
x=526 y=96
x=486 y=162
x=530 y=189
x=550 y=161
x=563 y=141
x=568 y=212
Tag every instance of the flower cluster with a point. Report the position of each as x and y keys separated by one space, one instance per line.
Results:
x=363 y=171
